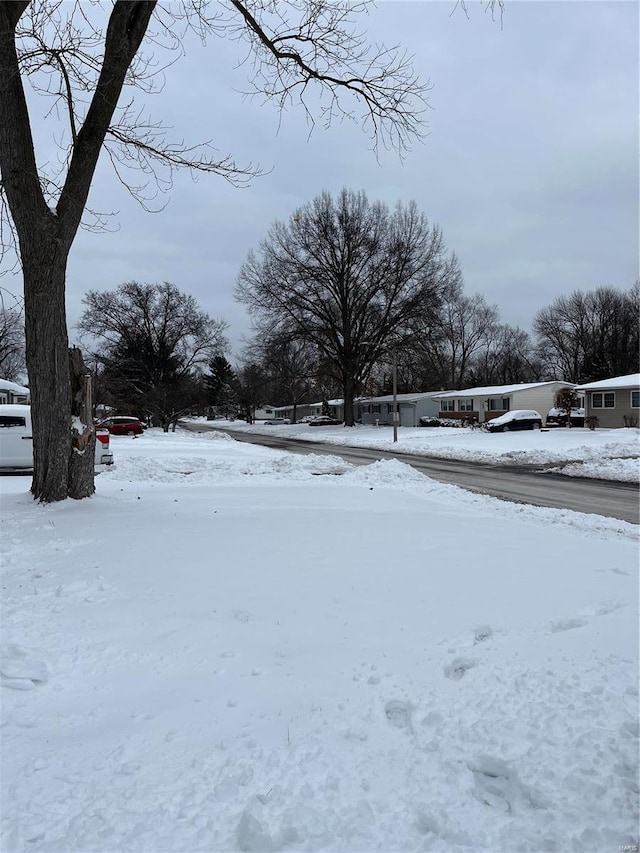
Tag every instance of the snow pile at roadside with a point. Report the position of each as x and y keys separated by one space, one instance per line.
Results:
x=292 y=662
x=610 y=453
x=624 y=470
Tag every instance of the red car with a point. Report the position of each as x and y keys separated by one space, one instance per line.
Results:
x=122 y=425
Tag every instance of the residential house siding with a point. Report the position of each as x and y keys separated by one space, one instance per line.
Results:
x=614 y=402
x=485 y=403
x=411 y=407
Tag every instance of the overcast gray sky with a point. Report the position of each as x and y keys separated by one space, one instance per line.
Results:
x=530 y=166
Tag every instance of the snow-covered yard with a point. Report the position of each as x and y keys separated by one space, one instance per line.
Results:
x=610 y=454
x=235 y=649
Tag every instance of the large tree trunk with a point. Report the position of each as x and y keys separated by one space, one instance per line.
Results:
x=44 y=270
x=63 y=461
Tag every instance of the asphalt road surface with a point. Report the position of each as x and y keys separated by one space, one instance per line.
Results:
x=525 y=484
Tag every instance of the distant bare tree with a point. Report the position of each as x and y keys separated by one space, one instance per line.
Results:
x=151 y=339
x=12 y=348
x=292 y=366
x=590 y=335
x=349 y=277
x=465 y=326
x=82 y=56
x=253 y=389
x=508 y=358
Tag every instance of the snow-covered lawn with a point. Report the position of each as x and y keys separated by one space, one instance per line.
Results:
x=610 y=454
x=235 y=649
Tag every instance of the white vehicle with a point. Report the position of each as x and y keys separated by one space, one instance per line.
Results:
x=16 y=439
x=277 y=422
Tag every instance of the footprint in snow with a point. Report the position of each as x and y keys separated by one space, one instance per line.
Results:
x=567 y=625
x=603 y=609
x=482 y=633
x=19 y=669
x=497 y=785
x=458 y=668
x=399 y=714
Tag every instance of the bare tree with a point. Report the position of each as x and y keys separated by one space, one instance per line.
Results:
x=82 y=63
x=151 y=340
x=349 y=277
x=463 y=328
x=508 y=358
x=591 y=335
x=12 y=354
x=292 y=366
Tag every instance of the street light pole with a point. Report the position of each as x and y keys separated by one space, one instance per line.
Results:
x=395 y=394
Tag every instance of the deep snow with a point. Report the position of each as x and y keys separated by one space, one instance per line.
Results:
x=231 y=648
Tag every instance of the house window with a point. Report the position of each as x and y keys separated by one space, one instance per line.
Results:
x=389 y=408
x=448 y=405
x=603 y=400
x=635 y=399
x=465 y=405
x=499 y=404
x=376 y=409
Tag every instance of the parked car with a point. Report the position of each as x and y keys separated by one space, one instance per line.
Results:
x=122 y=425
x=558 y=417
x=518 y=419
x=277 y=421
x=324 y=420
x=104 y=456
x=16 y=439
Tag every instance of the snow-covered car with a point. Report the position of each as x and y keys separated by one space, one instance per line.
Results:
x=277 y=421
x=324 y=420
x=558 y=417
x=518 y=419
x=16 y=439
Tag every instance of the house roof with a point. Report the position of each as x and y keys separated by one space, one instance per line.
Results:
x=6 y=385
x=499 y=390
x=631 y=380
x=401 y=398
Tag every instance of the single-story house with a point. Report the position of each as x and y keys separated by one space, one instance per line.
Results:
x=485 y=403
x=302 y=410
x=263 y=412
x=11 y=392
x=333 y=408
x=411 y=407
x=615 y=402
